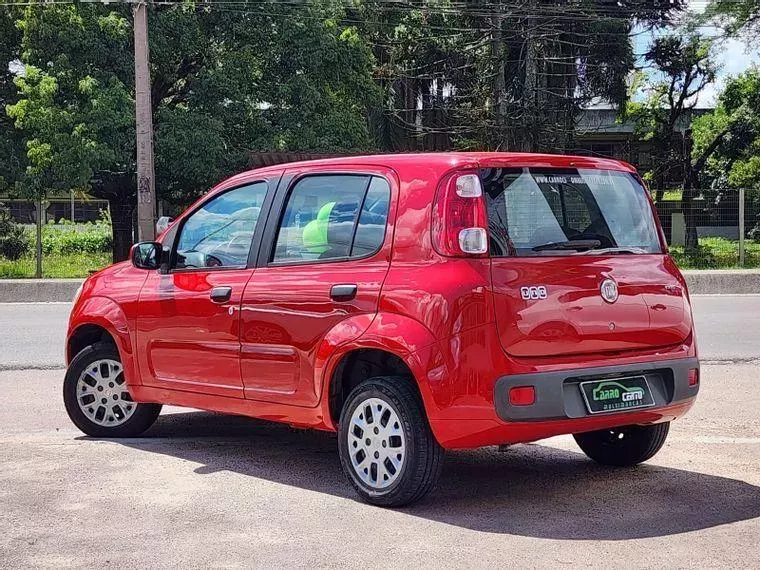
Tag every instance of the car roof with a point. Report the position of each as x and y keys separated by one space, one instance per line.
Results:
x=442 y=161
x=455 y=159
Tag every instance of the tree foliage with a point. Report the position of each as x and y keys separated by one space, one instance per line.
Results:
x=223 y=84
x=499 y=74
x=681 y=68
x=327 y=76
x=736 y=161
x=11 y=149
x=736 y=16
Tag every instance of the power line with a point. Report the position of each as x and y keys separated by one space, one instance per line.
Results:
x=555 y=11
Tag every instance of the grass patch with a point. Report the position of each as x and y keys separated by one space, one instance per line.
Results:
x=59 y=265
x=669 y=195
x=717 y=253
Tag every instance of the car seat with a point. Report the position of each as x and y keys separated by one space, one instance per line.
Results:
x=330 y=233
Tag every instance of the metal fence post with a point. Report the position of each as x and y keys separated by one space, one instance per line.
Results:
x=741 y=227
x=38 y=272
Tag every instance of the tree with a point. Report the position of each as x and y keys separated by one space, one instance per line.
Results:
x=499 y=74
x=729 y=137
x=736 y=16
x=224 y=83
x=682 y=69
x=735 y=162
x=11 y=147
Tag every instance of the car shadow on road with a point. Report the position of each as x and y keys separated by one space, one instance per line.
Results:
x=529 y=490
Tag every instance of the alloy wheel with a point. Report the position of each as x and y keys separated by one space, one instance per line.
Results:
x=102 y=393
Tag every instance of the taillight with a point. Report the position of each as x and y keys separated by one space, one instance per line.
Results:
x=460 y=225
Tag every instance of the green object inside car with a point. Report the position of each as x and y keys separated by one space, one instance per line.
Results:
x=315 y=232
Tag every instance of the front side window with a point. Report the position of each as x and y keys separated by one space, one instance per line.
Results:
x=333 y=217
x=220 y=233
x=539 y=211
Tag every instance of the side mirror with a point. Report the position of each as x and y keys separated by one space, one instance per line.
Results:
x=163 y=224
x=146 y=255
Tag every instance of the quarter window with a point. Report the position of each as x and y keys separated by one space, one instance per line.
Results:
x=333 y=217
x=220 y=233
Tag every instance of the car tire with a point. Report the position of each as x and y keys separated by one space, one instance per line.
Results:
x=96 y=397
x=387 y=449
x=623 y=446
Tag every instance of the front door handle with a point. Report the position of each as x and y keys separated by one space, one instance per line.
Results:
x=221 y=294
x=343 y=292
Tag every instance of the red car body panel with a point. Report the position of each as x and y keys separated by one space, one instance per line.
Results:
x=458 y=323
x=180 y=330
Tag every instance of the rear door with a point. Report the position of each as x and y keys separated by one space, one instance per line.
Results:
x=577 y=265
x=188 y=323
x=324 y=256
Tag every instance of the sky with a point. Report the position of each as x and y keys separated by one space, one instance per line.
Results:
x=732 y=56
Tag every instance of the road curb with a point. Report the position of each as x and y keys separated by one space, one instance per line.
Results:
x=38 y=290
x=700 y=281
x=723 y=281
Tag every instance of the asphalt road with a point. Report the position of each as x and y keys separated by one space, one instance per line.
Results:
x=205 y=490
x=728 y=328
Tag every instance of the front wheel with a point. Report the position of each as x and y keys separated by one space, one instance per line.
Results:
x=386 y=447
x=96 y=397
x=623 y=446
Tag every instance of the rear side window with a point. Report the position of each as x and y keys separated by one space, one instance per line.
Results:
x=539 y=212
x=370 y=230
x=333 y=217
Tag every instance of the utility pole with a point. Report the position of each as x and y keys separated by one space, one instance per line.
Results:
x=146 y=189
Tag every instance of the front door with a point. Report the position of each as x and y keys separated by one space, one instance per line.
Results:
x=324 y=258
x=188 y=324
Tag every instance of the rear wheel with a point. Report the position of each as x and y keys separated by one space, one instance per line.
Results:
x=97 y=399
x=623 y=446
x=386 y=447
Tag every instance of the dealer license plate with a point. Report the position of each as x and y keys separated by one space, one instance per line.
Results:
x=617 y=394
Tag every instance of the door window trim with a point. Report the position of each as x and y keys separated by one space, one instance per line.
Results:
x=269 y=239
x=271 y=182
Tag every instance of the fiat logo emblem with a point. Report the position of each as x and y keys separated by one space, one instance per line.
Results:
x=609 y=290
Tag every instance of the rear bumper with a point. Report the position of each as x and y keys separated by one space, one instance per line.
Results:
x=559 y=408
x=558 y=395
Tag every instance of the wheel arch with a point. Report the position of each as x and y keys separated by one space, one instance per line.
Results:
x=383 y=349
x=100 y=319
x=86 y=335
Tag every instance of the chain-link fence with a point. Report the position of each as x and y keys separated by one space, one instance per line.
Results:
x=727 y=225
x=58 y=237
x=55 y=210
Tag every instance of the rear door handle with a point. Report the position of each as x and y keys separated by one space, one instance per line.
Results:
x=343 y=292
x=221 y=294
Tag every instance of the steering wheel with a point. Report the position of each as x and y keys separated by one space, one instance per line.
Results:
x=213 y=261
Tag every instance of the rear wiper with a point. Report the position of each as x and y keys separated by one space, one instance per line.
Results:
x=608 y=250
x=578 y=244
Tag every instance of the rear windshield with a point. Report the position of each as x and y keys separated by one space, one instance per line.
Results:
x=552 y=211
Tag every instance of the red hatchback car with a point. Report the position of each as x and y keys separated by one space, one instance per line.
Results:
x=412 y=303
